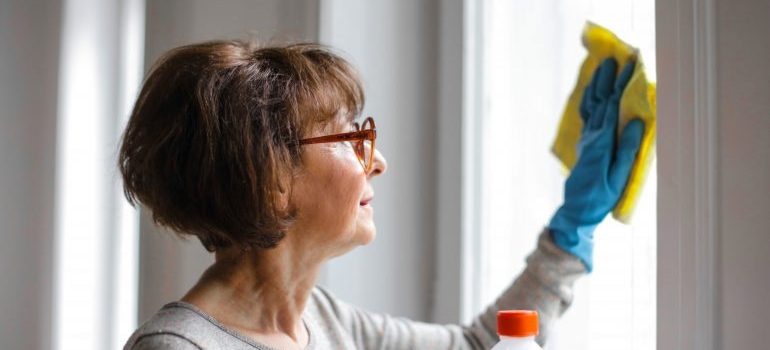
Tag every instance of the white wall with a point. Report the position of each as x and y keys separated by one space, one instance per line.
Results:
x=29 y=37
x=743 y=105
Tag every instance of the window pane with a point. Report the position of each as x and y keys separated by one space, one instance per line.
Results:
x=530 y=57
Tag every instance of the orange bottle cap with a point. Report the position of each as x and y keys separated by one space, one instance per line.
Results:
x=517 y=323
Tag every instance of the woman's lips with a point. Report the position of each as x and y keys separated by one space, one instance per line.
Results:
x=366 y=201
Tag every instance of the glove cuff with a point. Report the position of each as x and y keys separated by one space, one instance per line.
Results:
x=575 y=239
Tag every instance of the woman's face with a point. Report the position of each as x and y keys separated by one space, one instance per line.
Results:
x=332 y=196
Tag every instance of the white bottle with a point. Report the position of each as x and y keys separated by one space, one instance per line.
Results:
x=517 y=330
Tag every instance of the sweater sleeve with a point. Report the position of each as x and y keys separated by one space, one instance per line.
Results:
x=545 y=285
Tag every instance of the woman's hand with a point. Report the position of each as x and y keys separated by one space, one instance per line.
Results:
x=600 y=174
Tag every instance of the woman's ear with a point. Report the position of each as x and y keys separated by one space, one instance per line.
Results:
x=284 y=194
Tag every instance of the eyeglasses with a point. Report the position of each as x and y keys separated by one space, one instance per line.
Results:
x=362 y=140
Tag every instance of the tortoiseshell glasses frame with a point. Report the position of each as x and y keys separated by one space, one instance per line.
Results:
x=367 y=132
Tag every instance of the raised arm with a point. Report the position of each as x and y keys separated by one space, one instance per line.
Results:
x=545 y=285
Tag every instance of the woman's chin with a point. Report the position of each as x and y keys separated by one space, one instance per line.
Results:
x=364 y=235
x=365 y=232
x=368 y=237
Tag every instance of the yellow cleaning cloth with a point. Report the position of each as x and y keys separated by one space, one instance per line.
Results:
x=638 y=101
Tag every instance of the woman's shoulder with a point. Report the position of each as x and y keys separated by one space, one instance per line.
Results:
x=179 y=325
x=162 y=341
x=324 y=303
x=333 y=314
x=172 y=327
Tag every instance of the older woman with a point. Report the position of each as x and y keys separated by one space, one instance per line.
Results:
x=255 y=151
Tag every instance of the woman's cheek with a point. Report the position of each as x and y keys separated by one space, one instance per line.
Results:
x=346 y=182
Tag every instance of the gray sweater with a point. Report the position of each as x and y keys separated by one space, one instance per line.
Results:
x=545 y=285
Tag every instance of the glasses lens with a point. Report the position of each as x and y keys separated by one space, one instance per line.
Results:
x=368 y=151
x=368 y=144
x=359 y=147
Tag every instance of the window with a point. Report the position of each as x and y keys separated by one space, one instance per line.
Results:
x=96 y=266
x=530 y=53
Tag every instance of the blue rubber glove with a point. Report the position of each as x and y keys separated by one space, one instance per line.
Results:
x=600 y=174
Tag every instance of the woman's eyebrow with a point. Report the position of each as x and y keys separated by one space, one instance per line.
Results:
x=351 y=117
x=347 y=122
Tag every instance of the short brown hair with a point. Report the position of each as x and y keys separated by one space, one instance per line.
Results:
x=215 y=127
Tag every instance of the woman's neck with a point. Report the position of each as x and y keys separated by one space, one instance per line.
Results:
x=261 y=293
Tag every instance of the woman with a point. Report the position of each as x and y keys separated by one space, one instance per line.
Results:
x=256 y=153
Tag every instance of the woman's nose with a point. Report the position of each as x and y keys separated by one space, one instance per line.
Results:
x=380 y=164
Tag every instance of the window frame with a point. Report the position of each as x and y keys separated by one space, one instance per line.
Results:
x=687 y=172
x=687 y=276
